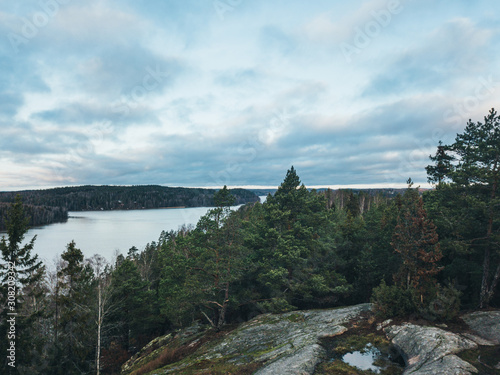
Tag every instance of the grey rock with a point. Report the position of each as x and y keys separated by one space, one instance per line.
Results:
x=302 y=362
x=485 y=324
x=478 y=340
x=448 y=365
x=431 y=350
x=384 y=324
x=287 y=343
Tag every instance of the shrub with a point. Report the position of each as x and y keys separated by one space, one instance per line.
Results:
x=445 y=306
x=392 y=301
x=276 y=305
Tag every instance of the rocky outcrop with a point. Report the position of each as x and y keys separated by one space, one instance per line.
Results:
x=287 y=343
x=290 y=344
x=485 y=324
x=282 y=344
x=431 y=350
x=187 y=340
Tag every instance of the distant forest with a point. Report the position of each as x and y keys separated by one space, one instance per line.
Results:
x=37 y=215
x=52 y=205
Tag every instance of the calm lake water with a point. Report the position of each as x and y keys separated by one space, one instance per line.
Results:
x=109 y=232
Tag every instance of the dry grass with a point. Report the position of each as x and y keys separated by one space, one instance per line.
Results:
x=166 y=357
x=172 y=354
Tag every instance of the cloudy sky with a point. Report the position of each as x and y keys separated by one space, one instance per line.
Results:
x=207 y=93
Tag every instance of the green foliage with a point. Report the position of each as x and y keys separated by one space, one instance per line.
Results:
x=201 y=266
x=134 y=317
x=471 y=166
x=124 y=197
x=444 y=307
x=276 y=305
x=300 y=249
x=391 y=301
x=289 y=249
x=438 y=173
x=21 y=275
x=74 y=342
x=26 y=264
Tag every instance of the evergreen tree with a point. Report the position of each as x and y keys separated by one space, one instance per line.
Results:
x=293 y=264
x=133 y=314
x=21 y=276
x=74 y=344
x=472 y=165
x=353 y=205
x=203 y=265
x=440 y=171
x=416 y=241
x=218 y=257
x=179 y=293
x=26 y=264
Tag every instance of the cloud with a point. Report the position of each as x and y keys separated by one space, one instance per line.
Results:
x=133 y=92
x=237 y=77
x=447 y=54
x=87 y=113
x=333 y=27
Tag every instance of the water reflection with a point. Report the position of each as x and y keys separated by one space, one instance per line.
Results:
x=363 y=360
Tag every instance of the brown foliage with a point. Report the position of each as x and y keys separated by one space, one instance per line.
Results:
x=113 y=358
x=416 y=240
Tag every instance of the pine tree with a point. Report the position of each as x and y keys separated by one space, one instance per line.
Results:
x=472 y=165
x=292 y=266
x=218 y=257
x=202 y=265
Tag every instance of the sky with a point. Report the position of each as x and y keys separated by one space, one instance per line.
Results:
x=234 y=92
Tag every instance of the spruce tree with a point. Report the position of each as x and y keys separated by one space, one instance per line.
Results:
x=416 y=241
x=21 y=273
x=75 y=341
x=438 y=173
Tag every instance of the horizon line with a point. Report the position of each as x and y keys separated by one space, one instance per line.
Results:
x=248 y=187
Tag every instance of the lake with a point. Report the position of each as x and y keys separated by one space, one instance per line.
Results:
x=109 y=232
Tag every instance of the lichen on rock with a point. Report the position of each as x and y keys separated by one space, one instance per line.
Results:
x=431 y=350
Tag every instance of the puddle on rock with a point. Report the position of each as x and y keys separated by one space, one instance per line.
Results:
x=362 y=353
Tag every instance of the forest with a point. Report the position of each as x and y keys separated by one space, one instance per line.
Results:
x=423 y=255
x=52 y=205
x=38 y=215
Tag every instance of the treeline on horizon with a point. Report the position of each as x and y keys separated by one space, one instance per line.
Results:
x=38 y=215
x=426 y=256
x=52 y=205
